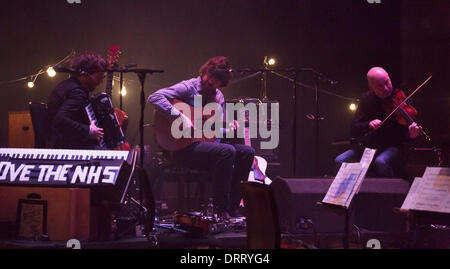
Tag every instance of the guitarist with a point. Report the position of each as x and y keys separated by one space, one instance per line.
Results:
x=228 y=163
x=70 y=127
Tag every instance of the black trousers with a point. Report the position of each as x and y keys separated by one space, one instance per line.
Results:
x=228 y=164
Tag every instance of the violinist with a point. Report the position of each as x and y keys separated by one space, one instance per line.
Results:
x=390 y=137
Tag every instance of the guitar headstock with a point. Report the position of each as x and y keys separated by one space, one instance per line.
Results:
x=113 y=56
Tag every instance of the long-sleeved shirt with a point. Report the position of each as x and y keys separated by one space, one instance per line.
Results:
x=183 y=91
x=67 y=116
x=391 y=133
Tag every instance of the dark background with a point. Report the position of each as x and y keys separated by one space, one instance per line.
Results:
x=340 y=38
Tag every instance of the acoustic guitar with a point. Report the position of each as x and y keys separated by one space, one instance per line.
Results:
x=163 y=126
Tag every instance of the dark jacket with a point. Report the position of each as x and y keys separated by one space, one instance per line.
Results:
x=68 y=119
x=391 y=133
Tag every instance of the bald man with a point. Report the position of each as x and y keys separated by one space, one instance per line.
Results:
x=389 y=139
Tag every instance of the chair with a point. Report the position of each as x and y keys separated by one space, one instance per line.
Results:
x=173 y=170
x=184 y=177
x=38 y=112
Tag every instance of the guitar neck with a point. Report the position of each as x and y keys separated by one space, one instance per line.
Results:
x=109 y=80
x=247 y=137
x=247 y=140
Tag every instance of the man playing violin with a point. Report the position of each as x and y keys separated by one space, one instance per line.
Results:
x=388 y=138
x=228 y=163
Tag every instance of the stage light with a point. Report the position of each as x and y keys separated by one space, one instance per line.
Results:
x=272 y=61
x=30 y=84
x=51 y=72
x=123 y=92
x=352 y=106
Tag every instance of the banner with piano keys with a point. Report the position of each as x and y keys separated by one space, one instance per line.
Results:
x=30 y=172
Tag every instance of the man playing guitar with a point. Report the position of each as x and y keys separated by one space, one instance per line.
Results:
x=228 y=163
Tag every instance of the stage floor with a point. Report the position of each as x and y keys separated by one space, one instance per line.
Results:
x=236 y=240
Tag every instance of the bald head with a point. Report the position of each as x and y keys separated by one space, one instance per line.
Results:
x=379 y=82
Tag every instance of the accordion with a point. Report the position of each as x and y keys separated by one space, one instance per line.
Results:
x=101 y=111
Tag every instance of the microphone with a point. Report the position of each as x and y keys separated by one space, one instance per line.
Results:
x=223 y=70
x=62 y=69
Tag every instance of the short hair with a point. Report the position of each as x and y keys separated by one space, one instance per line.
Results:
x=220 y=68
x=88 y=63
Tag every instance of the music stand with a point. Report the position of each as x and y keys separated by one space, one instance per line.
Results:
x=427 y=201
x=345 y=187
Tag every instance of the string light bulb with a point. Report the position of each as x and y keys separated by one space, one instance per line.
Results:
x=30 y=84
x=51 y=72
x=272 y=61
x=352 y=107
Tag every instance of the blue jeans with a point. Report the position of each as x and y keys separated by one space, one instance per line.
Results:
x=228 y=165
x=386 y=163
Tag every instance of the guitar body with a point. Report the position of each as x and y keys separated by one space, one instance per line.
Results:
x=122 y=118
x=163 y=127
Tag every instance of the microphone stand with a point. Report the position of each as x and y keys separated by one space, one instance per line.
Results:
x=120 y=89
x=316 y=116
x=264 y=72
x=294 y=113
x=141 y=73
x=264 y=79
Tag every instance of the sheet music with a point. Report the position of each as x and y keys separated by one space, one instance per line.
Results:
x=366 y=160
x=410 y=198
x=434 y=191
x=343 y=188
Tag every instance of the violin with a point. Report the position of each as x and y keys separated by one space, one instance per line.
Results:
x=405 y=114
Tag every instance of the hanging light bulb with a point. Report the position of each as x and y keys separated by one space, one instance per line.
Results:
x=352 y=106
x=123 y=92
x=30 y=84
